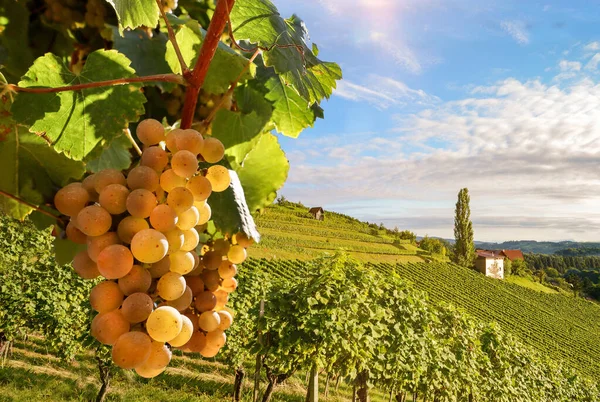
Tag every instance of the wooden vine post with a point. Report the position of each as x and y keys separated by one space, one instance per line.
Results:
x=258 y=367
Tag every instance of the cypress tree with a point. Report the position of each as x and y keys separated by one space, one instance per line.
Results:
x=464 y=248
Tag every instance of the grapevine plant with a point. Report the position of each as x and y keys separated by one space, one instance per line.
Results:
x=145 y=134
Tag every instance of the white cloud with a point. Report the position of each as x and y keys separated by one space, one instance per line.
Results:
x=528 y=151
x=383 y=92
x=517 y=30
x=592 y=47
x=566 y=65
x=592 y=65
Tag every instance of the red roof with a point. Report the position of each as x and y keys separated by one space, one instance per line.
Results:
x=513 y=254
x=489 y=254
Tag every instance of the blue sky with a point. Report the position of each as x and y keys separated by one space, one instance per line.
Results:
x=501 y=97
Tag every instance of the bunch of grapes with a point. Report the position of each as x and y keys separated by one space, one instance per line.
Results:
x=141 y=237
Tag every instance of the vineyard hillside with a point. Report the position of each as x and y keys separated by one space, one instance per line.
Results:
x=290 y=232
x=564 y=328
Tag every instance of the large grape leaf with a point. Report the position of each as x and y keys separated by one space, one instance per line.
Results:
x=116 y=155
x=263 y=172
x=31 y=169
x=230 y=213
x=225 y=67
x=76 y=121
x=135 y=13
x=291 y=112
x=15 y=55
x=259 y=22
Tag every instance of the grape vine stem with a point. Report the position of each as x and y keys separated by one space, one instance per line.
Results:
x=184 y=68
x=176 y=78
x=21 y=201
x=130 y=137
x=207 y=52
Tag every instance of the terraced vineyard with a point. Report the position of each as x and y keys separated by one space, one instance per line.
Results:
x=289 y=232
x=562 y=327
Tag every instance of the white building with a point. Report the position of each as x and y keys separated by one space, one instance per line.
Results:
x=490 y=263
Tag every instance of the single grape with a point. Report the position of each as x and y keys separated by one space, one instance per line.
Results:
x=137 y=280
x=107 y=177
x=142 y=177
x=147 y=372
x=160 y=268
x=237 y=254
x=140 y=203
x=187 y=329
x=205 y=214
x=180 y=199
x=149 y=246
x=98 y=243
x=190 y=140
x=155 y=158
x=190 y=240
x=213 y=150
x=226 y=320
x=209 y=321
x=171 y=286
x=219 y=177
x=181 y=262
x=106 y=296
x=229 y=285
x=172 y=140
x=196 y=343
x=211 y=279
x=169 y=180
x=84 y=266
x=150 y=132
x=243 y=240
x=205 y=301
x=113 y=198
x=212 y=260
x=175 y=238
x=195 y=284
x=129 y=226
x=89 y=184
x=227 y=269
x=74 y=234
x=115 y=261
x=216 y=338
x=221 y=246
x=164 y=324
x=160 y=356
x=188 y=218
x=163 y=218
x=108 y=327
x=137 y=307
x=71 y=199
x=184 y=164
x=94 y=220
x=222 y=299
x=131 y=350
x=200 y=187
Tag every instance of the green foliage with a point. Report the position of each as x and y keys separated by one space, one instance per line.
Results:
x=432 y=245
x=135 y=14
x=36 y=293
x=407 y=235
x=464 y=248
x=77 y=121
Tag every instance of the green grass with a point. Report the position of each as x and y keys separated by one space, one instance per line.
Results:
x=528 y=283
x=289 y=232
x=33 y=374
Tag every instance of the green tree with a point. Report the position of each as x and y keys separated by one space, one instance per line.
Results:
x=407 y=235
x=464 y=248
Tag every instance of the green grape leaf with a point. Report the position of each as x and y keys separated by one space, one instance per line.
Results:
x=115 y=156
x=15 y=55
x=230 y=212
x=65 y=250
x=147 y=54
x=77 y=121
x=264 y=171
x=259 y=22
x=136 y=13
x=43 y=221
x=239 y=132
x=291 y=112
x=225 y=67
x=31 y=169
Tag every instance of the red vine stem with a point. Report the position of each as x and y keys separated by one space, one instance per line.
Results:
x=184 y=68
x=13 y=197
x=176 y=78
x=207 y=52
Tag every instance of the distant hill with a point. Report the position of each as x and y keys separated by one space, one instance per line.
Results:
x=544 y=247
